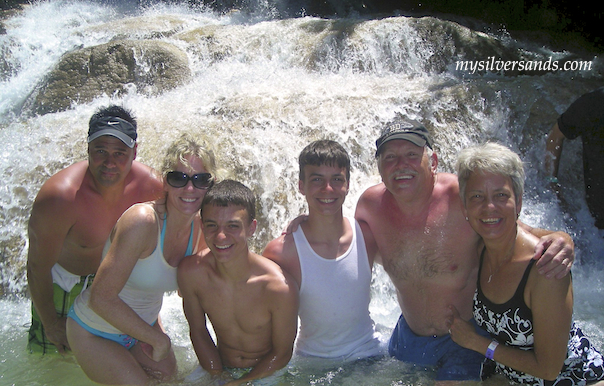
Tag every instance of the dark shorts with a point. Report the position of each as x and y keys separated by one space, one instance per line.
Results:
x=447 y=358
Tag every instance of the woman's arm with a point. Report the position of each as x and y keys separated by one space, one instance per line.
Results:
x=555 y=251
x=551 y=302
x=553 y=147
x=135 y=237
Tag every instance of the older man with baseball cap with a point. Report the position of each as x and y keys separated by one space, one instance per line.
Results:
x=72 y=217
x=414 y=220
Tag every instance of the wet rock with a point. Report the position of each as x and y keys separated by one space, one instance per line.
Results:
x=151 y=67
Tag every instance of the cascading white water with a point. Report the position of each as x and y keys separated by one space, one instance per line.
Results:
x=261 y=90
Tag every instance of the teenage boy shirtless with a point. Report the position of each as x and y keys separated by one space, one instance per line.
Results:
x=251 y=303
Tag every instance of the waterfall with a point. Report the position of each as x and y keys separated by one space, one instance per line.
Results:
x=260 y=89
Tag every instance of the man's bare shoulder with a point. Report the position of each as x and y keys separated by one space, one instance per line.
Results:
x=281 y=249
x=447 y=181
x=446 y=190
x=370 y=202
x=264 y=265
x=142 y=170
x=146 y=179
x=65 y=183
x=59 y=193
x=373 y=192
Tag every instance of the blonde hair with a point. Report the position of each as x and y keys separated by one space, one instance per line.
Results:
x=185 y=146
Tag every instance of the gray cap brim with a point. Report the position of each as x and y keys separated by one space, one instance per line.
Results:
x=411 y=137
x=114 y=133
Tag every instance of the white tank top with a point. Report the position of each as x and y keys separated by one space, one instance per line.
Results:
x=334 y=301
x=144 y=290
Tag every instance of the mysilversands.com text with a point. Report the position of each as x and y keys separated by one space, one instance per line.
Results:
x=498 y=65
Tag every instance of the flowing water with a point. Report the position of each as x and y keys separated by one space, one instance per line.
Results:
x=263 y=87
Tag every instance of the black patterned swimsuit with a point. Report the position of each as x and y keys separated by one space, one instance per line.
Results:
x=511 y=323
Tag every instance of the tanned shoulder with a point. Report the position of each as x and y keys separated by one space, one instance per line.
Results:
x=148 y=180
x=57 y=195
x=282 y=251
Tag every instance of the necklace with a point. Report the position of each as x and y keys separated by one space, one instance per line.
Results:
x=506 y=259
x=491 y=271
x=510 y=254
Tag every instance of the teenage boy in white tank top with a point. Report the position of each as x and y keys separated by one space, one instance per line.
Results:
x=327 y=257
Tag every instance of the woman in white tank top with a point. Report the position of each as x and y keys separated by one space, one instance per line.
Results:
x=113 y=328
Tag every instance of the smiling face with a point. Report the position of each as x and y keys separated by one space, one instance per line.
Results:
x=188 y=198
x=406 y=169
x=109 y=160
x=490 y=205
x=325 y=188
x=226 y=230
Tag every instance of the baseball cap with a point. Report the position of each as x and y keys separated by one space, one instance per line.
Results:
x=406 y=129
x=114 y=126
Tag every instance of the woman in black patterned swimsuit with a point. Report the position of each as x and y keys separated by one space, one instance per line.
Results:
x=528 y=316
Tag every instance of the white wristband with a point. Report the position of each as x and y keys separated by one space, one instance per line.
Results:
x=491 y=349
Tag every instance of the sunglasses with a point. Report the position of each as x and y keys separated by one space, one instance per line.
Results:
x=180 y=180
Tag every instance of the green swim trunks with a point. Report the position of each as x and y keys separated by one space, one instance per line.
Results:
x=38 y=343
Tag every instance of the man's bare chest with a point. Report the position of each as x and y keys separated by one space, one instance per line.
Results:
x=92 y=226
x=427 y=253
